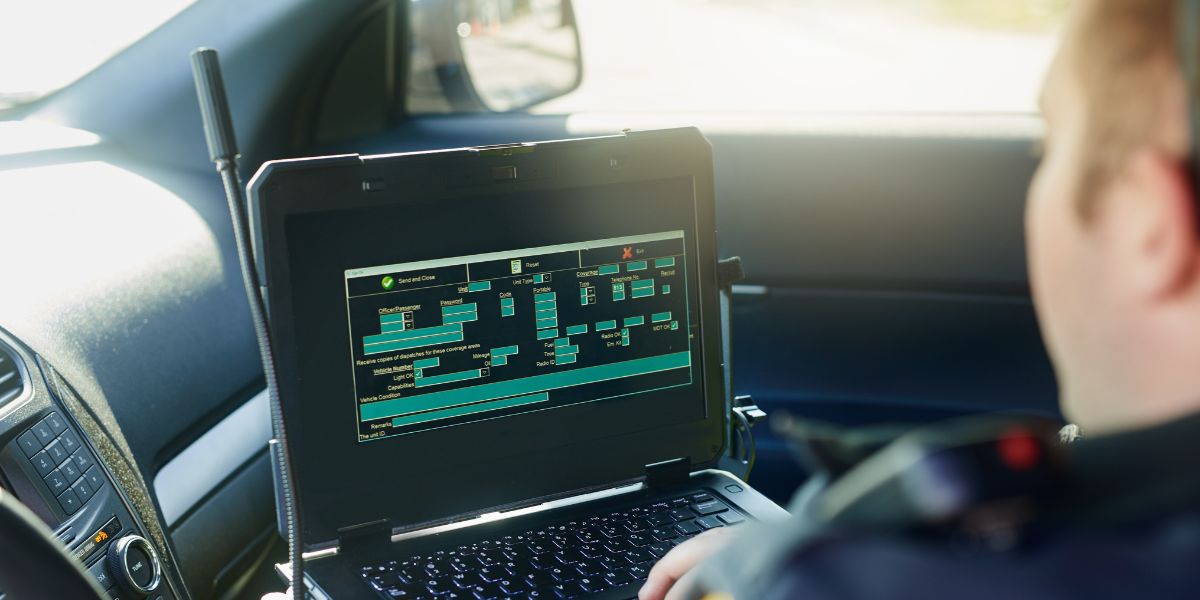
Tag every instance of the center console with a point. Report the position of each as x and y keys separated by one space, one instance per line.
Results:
x=48 y=463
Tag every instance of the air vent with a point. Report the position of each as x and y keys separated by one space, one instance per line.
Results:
x=11 y=383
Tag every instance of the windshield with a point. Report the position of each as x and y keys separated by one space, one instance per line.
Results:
x=859 y=56
x=48 y=44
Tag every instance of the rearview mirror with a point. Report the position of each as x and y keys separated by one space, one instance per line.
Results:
x=497 y=55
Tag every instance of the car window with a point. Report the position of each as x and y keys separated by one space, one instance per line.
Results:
x=762 y=56
x=46 y=45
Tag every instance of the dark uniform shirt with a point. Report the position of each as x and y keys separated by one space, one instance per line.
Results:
x=1123 y=521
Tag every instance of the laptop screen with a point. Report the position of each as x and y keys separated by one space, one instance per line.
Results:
x=448 y=348
x=449 y=341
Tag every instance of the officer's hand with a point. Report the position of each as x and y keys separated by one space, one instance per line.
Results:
x=677 y=563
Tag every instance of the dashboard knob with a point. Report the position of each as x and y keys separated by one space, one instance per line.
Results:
x=134 y=565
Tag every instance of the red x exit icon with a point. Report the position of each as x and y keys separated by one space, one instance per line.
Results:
x=627 y=252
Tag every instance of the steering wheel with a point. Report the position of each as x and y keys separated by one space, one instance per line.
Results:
x=32 y=563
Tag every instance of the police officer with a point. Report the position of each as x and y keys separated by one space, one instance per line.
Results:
x=999 y=509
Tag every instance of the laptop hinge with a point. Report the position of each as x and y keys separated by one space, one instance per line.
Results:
x=668 y=473
x=729 y=272
x=364 y=536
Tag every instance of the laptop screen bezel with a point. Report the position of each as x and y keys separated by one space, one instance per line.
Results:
x=287 y=188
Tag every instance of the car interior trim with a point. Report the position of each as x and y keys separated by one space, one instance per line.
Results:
x=201 y=467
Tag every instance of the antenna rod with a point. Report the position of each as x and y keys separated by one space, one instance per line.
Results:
x=223 y=151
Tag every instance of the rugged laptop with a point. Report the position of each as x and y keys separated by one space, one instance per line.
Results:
x=500 y=367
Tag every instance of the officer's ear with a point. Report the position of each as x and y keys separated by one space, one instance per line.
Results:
x=1148 y=229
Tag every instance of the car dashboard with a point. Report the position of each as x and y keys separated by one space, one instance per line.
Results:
x=58 y=466
x=122 y=315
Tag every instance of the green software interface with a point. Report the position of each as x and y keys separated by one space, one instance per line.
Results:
x=456 y=340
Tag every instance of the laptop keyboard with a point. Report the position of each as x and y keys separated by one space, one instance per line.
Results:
x=572 y=559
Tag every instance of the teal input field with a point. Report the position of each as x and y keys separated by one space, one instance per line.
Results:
x=505 y=351
x=458 y=308
x=606 y=325
x=469 y=409
x=449 y=378
x=462 y=317
x=643 y=292
x=546 y=334
x=610 y=269
x=564 y=359
x=566 y=349
x=429 y=340
x=425 y=363
x=632 y=321
x=393 y=318
x=527 y=385
x=660 y=317
x=412 y=333
x=637 y=265
x=642 y=283
x=543 y=296
x=562 y=342
x=577 y=329
x=668 y=261
x=479 y=286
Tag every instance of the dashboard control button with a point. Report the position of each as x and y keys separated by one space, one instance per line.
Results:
x=70 y=471
x=134 y=566
x=83 y=489
x=94 y=477
x=43 y=432
x=69 y=502
x=41 y=461
x=83 y=459
x=56 y=452
x=30 y=444
x=139 y=567
x=100 y=572
x=57 y=423
x=56 y=482
x=69 y=441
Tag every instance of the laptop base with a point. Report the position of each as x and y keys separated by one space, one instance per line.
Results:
x=597 y=545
